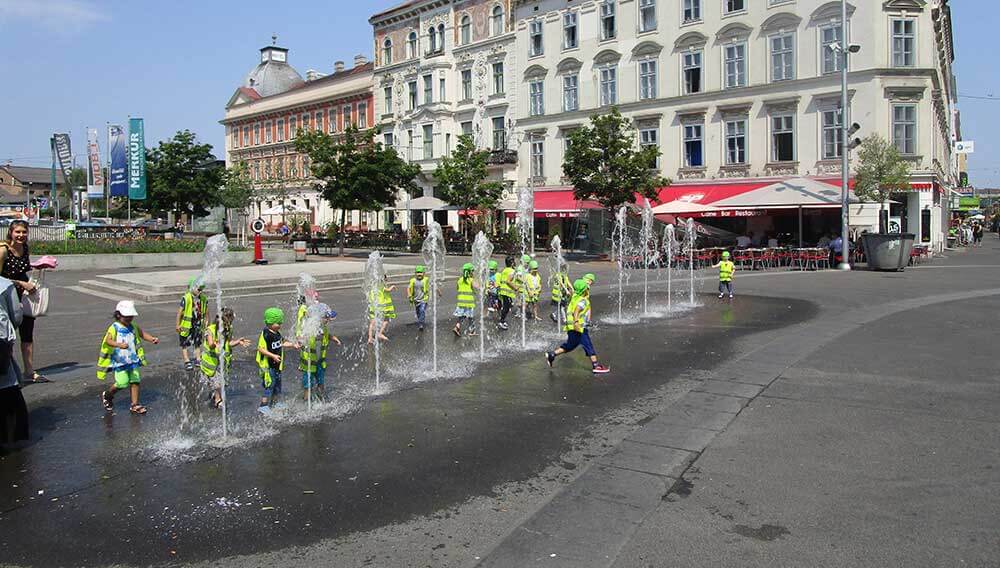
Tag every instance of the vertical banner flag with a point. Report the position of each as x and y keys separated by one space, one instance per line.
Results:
x=118 y=174
x=95 y=189
x=64 y=153
x=136 y=159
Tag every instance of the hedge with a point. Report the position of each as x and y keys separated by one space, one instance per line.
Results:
x=88 y=246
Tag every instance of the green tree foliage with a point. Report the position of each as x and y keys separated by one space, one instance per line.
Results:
x=605 y=163
x=355 y=172
x=880 y=172
x=461 y=179
x=183 y=175
x=237 y=188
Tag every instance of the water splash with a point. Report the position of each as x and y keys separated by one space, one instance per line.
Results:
x=310 y=330
x=669 y=250
x=647 y=240
x=216 y=248
x=372 y=286
x=556 y=264
x=482 y=250
x=621 y=249
x=525 y=229
x=434 y=251
x=690 y=241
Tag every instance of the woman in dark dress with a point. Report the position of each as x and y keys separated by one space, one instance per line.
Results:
x=15 y=263
x=13 y=411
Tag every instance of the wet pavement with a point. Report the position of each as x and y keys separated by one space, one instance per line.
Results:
x=164 y=488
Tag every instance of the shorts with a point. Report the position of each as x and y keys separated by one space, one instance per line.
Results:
x=275 y=387
x=214 y=381
x=27 y=329
x=126 y=377
x=318 y=378
x=193 y=338
x=465 y=312
x=576 y=339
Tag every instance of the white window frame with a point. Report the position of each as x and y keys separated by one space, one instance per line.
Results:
x=536 y=37
x=499 y=86
x=645 y=7
x=905 y=58
x=333 y=120
x=362 y=115
x=691 y=132
x=650 y=136
x=386 y=99
x=432 y=40
x=737 y=141
x=465 y=30
x=786 y=127
x=412 y=45
x=466 y=78
x=739 y=74
x=537 y=157
x=608 y=15
x=347 y=111
x=281 y=130
x=907 y=145
x=413 y=94
x=571 y=30
x=690 y=11
x=387 y=52
x=497 y=25
x=647 y=78
x=466 y=128
x=536 y=97
x=786 y=54
x=256 y=134
x=293 y=127
x=267 y=132
x=685 y=66
x=318 y=119
x=427 y=141
x=730 y=7
x=428 y=81
x=836 y=132
x=499 y=135
x=571 y=92
x=830 y=60
x=608 y=85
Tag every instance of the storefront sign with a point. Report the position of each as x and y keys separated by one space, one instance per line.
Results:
x=731 y=213
x=110 y=232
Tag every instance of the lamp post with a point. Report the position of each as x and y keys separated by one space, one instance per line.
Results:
x=848 y=128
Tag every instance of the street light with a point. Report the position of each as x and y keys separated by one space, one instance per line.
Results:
x=848 y=130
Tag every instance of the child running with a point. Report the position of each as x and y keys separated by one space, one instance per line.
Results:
x=312 y=358
x=210 y=353
x=191 y=316
x=562 y=291
x=466 y=307
x=122 y=354
x=417 y=293
x=508 y=288
x=380 y=303
x=270 y=361
x=726 y=270
x=533 y=290
x=578 y=318
x=492 y=297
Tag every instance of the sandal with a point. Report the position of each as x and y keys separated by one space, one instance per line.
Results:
x=40 y=379
x=137 y=409
x=107 y=402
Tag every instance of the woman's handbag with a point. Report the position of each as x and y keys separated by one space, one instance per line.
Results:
x=36 y=303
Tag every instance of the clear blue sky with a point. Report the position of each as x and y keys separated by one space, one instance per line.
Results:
x=77 y=63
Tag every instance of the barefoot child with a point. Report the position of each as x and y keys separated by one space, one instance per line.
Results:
x=726 y=270
x=122 y=355
x=380 y=303
x=417 y=293
x=269 y=357
x=578 y=318
x=210 y=353
x=312 y=357
x=191 y=316
x=466 y=304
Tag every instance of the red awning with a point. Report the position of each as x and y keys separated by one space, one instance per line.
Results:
x=558 y=203
x=705 y=193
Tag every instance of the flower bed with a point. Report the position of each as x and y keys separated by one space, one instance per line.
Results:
x=125 y=246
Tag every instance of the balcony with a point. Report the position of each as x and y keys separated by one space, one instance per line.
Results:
x=501 y=157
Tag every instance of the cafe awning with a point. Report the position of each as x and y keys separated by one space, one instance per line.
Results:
x=556 y=203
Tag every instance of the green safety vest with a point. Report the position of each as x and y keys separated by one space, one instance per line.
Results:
x=561 y=286
x=726 y=269
x=383 y=304
x=426 y=282
x=104 y=358
x=263 y=363
x=312 y=356
x=188 y=316
x=505 y=288
x=298 y=319
x=466 y=293
x=578 y=314
x=533 y=286
x=210 y=356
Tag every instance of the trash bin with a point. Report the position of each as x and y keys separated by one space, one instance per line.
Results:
x=300 y=251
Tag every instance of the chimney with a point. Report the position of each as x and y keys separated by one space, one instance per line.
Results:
x=312 y=75
x=360 y=60
x=338 y=66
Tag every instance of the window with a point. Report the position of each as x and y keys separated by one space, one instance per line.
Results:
x=333 y=120
x=647 y=15
x=782 y=57
x=467 y=128
x=432 y=41
x=535 y=44
x=692 y=10
x=442 y=89
x=650 y=137
x=692 y=72
x=292 y=128
x=731 y=6
x=267 y=132
x=305 y=122
x=499 y=134
x=498 y=86
x=783 y=138
x=467 y=84
x=305 y=166
x=280 y=134
x=428 y=89
x=828 y=36
x=319 y=121
x=234 y=140
x=279 y=168
x=903 y=42
x=736 y=142
x=647 y=79
x=256 y=134
x=571 y=92
x=411 y=45
x=346 y=111
x=441 y=39
x=537 y=98
x=608 y=29
x=386 y=100
x=609 y=86
x=832 y=131
x=413 y=94
x=362 y=115
x=246 y=136
x=293 y=167
x=736 y=65
x=904 y=128
x=428 y=141
x=496 y=21
x=387 y=139
x=465 y=30
x=569 y=30
x=537 y=157
x=693 y=157
x=387 y=52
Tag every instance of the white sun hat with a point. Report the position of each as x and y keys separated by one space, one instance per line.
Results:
x=126 y=308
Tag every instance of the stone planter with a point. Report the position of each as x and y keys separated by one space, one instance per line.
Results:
x=888 y=251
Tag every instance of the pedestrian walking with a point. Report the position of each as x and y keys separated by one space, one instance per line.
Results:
x=380 y=305
x=191 y=316
x=313 y=358
x=417 y=292
x=577 y=326
x=508 y=289
x=726 y=271
x=15 y=263
x=122 y=355
x=532 y=290
x=211 y=356
x=465 y=309
x=270 y=357
x=14 y=420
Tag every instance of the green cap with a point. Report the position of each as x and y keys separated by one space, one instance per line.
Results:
x=273 y=316
x=533 y=265
x=725 y=254
x=526 y=258
x=493 y=265
x=195 y=283
x=581 y=286
x=419 y=269
x=467 y=267
x=590 y=277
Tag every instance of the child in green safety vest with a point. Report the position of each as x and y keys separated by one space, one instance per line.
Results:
x=726 y=271
x=562 y=291
x=508 y=287
x=270 y=357
x=380 y=306
x=313 y=355
x=465 y=308
x=417 y=293
x=191 y=315
x=578 y=318
x=532 y=290
x=122 y=355
x=210 y=360
x=492 y=288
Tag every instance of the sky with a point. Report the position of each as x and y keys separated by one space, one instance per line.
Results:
x=78 y=63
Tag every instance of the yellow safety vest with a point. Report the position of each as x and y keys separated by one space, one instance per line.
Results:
x=466 y=294
x=263 y=363
x=188 y=315
x=301 y=315
x=561 y=286
x=426 y=282
x=533 y=286
x=313 y=355
x=505 y=288
x=104 y=358
x=726 y=269
x=578 y=314
x=210 y=356
x=383 y=304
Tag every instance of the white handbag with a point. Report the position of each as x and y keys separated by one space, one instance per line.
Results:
x=36 y=303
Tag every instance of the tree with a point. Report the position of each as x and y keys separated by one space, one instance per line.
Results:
x=183 y=175
x=461 y=179
x=880 y=172
x=604 y=162
x=355 y=172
